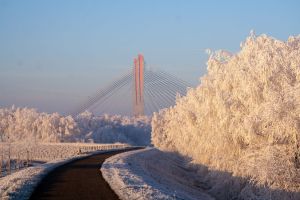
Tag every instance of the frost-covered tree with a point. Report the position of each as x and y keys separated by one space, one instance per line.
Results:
x=19 y=124
x=244 y=117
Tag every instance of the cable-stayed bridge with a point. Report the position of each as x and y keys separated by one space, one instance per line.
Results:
x=140 y=91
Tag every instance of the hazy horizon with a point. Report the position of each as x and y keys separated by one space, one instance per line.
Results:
x=55 y=54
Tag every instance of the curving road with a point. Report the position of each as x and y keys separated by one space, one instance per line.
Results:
x=80 y=179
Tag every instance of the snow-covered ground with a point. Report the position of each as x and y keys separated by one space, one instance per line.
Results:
x=51 y=151
x=152 y=174
x=19 y=185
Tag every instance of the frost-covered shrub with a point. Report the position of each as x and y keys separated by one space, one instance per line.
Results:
x=109 y=129
x=19 y=124
x=24 y=124
x=244 y=118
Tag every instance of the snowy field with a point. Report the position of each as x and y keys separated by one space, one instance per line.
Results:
x=52 y=151
x=150 y=174
x=20 y=184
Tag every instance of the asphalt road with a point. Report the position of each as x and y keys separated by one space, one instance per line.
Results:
x=80 y=179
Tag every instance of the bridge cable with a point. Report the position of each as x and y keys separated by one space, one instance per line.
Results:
x=105 y=104
x=161 y=97
x=175 y=78
x=174 y=86
x=101 y=93
x=155 y=83
x=171 y=90
x=175 y=82
x=111 y=93
x=155 y=97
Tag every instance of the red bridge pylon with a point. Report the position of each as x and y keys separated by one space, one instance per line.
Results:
x=138 y=81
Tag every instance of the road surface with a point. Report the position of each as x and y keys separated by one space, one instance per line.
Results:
x=80 y=179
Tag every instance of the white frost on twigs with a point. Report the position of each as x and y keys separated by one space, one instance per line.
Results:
x=243 y=119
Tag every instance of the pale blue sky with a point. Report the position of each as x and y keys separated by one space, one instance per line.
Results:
x=54 y=53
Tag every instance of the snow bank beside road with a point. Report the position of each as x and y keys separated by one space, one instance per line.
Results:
x=21 y=184
x=150 y=174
